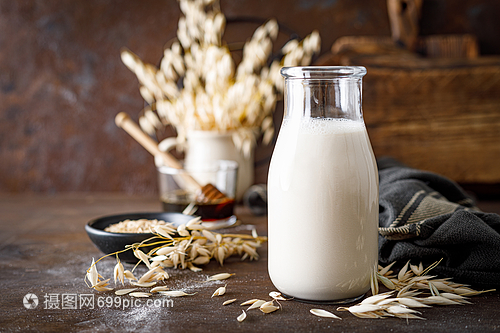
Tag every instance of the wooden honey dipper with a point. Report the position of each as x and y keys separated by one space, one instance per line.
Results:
x=206 y=193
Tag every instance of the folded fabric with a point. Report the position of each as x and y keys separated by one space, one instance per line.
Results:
x=427 y=217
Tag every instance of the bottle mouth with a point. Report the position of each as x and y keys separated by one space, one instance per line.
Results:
x=323 y=72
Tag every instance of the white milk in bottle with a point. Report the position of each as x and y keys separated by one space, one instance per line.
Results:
x=323 y=189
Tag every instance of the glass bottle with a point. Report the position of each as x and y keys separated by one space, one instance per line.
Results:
x=323 y=189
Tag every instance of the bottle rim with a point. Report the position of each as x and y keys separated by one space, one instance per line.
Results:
x=323 y=72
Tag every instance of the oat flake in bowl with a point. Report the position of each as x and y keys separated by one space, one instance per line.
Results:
x=111 y=242
x=141 y=226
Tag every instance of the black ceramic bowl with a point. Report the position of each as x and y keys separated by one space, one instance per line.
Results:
x=110 y=242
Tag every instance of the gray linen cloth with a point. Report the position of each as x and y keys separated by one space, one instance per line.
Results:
x=427 y=217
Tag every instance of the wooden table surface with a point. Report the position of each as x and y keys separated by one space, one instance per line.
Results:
x=44 y=250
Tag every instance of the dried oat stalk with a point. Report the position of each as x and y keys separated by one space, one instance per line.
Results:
x=410 y=288
x=189 y=245
x=215 y=95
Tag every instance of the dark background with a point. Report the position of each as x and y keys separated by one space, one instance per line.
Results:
x=62 y=81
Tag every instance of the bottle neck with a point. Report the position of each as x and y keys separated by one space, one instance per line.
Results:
x=327 y=92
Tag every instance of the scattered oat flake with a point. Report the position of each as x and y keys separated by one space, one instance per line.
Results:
x=323 y=313
x=242 y=316
x=256 y=304
x=221 y=276
x=250 y=301
x=220 y=291
x=254 y=233
x=124 y=291
x=175 y=293
x=140 y=294
x=229 y=301
x=268 y=307
x=159 y=288
x=277 y=296
x=144 y=284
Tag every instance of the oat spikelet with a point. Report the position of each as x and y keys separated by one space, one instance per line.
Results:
x=201 y=260
x=102 y=286
x=148 y=276
x=181 y=230
x=386 y=269
x=386 y=282
x=373 y=281
x=129 y=275
x=398 y=309
x=408 y=283
x=92 y=274
x=402 y=275
x=143 y=257
x=376 y=298
x=194 y=224
x=165 y=250
x=323 y=313
x=165 y=231
x=209 y=235
x=412 y=303
x=439 y=300
x=119 y=272
x=362 y=308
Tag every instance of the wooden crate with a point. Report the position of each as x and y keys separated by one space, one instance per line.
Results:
x=437 y=114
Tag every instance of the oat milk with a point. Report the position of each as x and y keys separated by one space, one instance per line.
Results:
x=323 y=209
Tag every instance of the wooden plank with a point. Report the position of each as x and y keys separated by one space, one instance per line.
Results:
x=51 y=258
x=442 y=120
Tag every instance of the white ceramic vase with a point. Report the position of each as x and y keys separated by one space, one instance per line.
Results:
x=204 y=147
